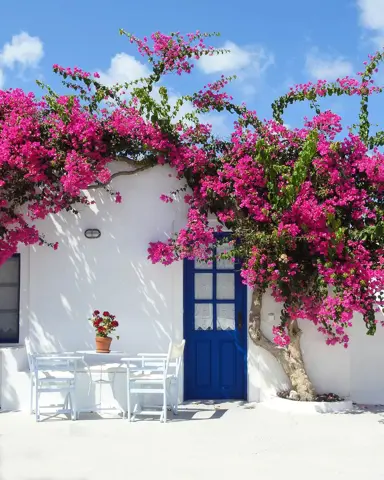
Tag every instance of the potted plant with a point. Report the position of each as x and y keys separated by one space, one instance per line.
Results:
x=104 y=324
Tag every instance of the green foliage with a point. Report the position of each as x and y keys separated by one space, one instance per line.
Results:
x=300 y=170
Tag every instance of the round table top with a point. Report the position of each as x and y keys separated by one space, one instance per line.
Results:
x=93 y=352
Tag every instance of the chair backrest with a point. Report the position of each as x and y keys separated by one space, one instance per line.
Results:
x=176 y=350
x=175 y=355
x=28 y=349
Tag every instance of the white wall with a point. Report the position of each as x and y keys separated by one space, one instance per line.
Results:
x=328 y=367
x=59 y=290
x=353 y=373
x=367 y=360
x=111 y=273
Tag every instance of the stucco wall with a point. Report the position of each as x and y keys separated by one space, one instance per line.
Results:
x=353 y=373
x=328 y=367
x=60 y=288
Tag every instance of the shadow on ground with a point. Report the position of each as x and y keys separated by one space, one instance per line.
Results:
x=199 y=410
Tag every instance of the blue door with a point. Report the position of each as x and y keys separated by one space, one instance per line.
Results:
x=215 y=331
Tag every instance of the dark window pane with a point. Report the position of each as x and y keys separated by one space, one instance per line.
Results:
x=9 y=297
x=9 y=327
x=9 y=271
x=9 y=300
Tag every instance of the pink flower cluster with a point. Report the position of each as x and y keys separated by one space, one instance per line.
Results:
x=51 y=150
x=311 y=251
x=305 y=209
x=173 y=52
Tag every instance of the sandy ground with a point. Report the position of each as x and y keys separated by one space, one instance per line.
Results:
x=222 y=441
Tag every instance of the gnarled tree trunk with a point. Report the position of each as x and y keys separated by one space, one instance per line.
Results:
x=290 y=357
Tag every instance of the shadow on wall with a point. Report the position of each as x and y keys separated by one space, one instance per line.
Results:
x=109 y=273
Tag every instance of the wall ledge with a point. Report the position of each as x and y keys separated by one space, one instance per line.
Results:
x=307 y=408
x=4 y=346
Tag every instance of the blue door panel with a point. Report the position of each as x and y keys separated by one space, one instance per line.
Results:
x=227 y=365
x=203 y=357
x=215 y=351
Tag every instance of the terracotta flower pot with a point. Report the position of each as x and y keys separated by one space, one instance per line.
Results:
x=103 y=344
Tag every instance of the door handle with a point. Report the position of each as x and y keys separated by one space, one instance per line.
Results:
x=239 y=320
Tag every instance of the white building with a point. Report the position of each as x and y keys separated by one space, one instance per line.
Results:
x=52 y=298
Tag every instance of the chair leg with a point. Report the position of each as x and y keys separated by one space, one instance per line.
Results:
x=136 y=410
x=175 y=406
x=164 y=416
x=128 y=400
x=37 y=411
x=31 y=396
x=71 y=401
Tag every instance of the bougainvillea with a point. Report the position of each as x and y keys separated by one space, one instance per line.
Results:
x=303 y=207
x=304 y=211
x=54 y=148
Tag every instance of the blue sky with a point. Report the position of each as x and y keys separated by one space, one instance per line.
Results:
x=274 y=43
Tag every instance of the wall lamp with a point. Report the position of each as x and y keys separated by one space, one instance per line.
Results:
x=92 y=233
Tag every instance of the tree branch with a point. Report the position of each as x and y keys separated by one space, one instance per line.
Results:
x=290 y=358
x=120 y=174
x=130 y=161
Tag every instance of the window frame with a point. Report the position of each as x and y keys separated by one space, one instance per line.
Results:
x=16 y=338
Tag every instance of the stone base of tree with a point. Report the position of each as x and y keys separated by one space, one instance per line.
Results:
x=292 y=406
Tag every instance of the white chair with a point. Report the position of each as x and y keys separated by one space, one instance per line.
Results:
x=155 y=374
x=52 y=372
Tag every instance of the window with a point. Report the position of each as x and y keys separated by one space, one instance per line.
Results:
x=9 y=300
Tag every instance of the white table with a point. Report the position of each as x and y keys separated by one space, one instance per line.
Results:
x=102 y=365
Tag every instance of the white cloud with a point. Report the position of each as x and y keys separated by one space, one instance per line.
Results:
x=372 y=18
x=372 y=13
x=250 y=59
x=123 y=68
x=249 y=63
x=24 y=50
x=2 y=79
x=327 y=67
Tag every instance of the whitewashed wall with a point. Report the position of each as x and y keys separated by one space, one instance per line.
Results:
x=353 y=373
x=59 y=290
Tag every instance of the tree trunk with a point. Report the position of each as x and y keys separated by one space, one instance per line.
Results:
x=290 y=357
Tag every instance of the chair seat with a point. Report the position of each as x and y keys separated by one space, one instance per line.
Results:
x=55 y=375
x=149 y=377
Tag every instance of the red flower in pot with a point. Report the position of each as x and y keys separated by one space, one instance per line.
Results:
x=104 y=324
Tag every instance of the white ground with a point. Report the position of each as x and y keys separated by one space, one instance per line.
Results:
x=215 y=442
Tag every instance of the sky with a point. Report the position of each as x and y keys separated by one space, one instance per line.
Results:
x=274 y=44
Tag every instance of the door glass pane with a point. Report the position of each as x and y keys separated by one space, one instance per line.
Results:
x=222 y=264
x=203 y=316
x=200 y=265
x=203 y=286
x=9 y=271
x=9 y=298
x=226 y=316
x=225 y=286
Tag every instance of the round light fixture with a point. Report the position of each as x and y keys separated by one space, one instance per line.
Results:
x=92 y=233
